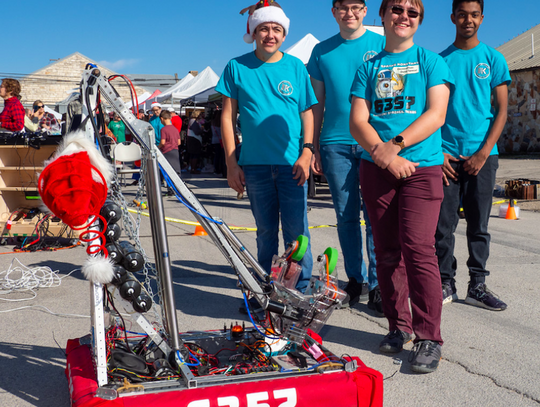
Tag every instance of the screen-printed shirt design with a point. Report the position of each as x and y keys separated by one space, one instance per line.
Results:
x=396 y=85
x=391 y=89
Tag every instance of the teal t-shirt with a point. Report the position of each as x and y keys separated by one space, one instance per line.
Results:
x=157 y=125
x=470 y=115
x=334 y=62
x=270 y=98
x=397 y=86
x=119 y=130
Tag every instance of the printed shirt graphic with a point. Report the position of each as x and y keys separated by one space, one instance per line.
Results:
x=397 y=86
x=335 y=62
x=270 y=98
x=470 y=115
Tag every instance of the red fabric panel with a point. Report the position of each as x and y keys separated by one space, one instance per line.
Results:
x=82 y=378
x=364 y=387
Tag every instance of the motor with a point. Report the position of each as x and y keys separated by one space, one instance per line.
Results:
x=133 y=260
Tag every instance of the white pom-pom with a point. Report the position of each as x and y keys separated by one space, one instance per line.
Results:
x=98 y=270
x=248 y=38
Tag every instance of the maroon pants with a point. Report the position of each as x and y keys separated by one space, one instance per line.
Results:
x=404 y=215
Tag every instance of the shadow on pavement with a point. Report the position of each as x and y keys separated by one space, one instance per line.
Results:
x=34 y=374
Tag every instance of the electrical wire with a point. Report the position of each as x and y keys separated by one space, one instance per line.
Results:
x=134 y=101
x=20 y=278
x=42 y=307
x=182 y=362
x=182 y=200
x=252 y=321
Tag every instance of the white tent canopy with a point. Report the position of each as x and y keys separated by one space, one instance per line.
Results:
x=375 y=28
x=202 y=83
x=140 y=99
x=303 y=48
x=166 y=96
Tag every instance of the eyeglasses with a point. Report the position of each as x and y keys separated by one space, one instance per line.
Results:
x=398 y=10
x=345 y=10
x=156 y=109
x=39 y=107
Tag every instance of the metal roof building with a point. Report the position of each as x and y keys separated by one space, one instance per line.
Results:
x=523 y=52
x=152 y=82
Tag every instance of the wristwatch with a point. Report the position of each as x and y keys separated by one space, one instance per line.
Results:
x=310 y=146
x=398 y=141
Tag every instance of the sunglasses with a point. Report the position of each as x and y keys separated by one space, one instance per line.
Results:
x=398 y=10
x=39 y=107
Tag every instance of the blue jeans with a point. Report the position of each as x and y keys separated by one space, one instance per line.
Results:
x=341 y=167
x=272 y=192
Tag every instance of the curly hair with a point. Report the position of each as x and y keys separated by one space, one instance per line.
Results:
x=12 y=86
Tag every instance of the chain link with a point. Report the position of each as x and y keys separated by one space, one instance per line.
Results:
x=131 y=227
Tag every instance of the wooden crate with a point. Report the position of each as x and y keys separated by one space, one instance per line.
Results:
x=522 y=189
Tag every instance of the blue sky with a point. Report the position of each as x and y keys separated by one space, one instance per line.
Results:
x=175 y=37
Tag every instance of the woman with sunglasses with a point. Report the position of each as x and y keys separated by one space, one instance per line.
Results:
x=45 y=120
x=399 y=100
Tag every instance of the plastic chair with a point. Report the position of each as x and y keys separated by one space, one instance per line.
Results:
x=126 y=152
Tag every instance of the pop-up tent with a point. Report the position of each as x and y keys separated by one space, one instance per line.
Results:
x=303 y=48
x=166 y=95
x=141 y=99
x=199 y=88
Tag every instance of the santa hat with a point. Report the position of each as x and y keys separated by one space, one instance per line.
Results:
x=156 y=104
x=73 y=186
x=266 y=14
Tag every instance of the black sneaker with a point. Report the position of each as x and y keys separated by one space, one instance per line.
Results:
x=355 y=292
x=375 y=302
x=425 y=357
x=480 y=296
x=393 y=342
x=448 y=293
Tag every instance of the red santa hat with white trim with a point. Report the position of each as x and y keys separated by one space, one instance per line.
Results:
x=265 y=14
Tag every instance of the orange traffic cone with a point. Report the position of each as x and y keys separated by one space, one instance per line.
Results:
x=199 y=231
x=511 y=212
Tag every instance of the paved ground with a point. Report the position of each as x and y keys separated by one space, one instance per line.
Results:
x=489 y=358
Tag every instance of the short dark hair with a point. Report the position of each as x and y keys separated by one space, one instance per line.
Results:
x=165 y=115
x=12 y=86
x=339 y=1
x=456 y=3
x=416 y=3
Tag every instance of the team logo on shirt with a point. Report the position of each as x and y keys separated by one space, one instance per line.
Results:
x=370 y=54
x=482 y=71
x=390 y=90
x=389 y=84
x=285 y=88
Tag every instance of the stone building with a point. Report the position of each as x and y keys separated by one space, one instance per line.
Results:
x=56 y=81
x=522 y=131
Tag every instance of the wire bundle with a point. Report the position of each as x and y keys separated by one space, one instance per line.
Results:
x=20 y=278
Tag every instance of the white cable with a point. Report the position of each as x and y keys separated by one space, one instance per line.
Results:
x=20 y=278
x=47 y=310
